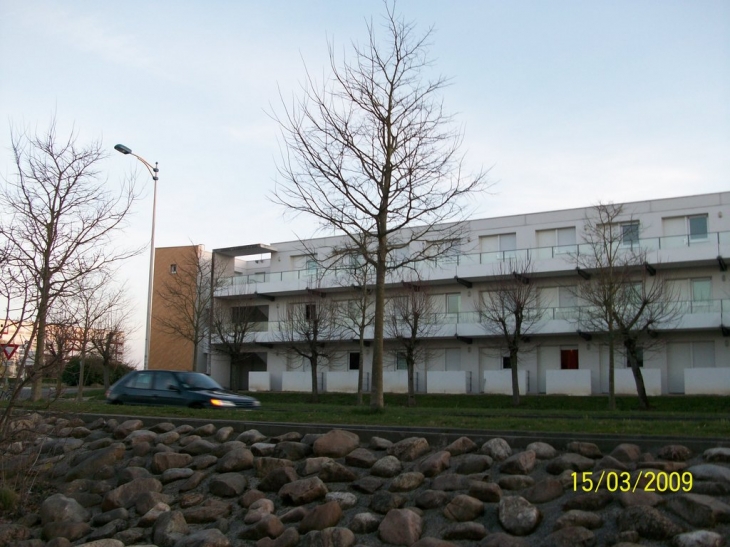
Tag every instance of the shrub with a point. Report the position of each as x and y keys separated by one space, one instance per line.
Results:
x=93 y=371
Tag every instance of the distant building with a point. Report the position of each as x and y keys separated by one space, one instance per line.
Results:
x=687 y=237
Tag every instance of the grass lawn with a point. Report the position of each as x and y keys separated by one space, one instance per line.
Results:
x=687 y=416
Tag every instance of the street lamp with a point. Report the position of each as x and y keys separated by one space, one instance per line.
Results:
x=153 y=173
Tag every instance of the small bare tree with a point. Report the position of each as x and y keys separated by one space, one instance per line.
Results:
x=410 y=318
x=510 y=310
x=311 y=331
x=371 y=154
x=187 y=298
x=624 y=296
x=111 y=329
x=233 y=330
x=58 y=219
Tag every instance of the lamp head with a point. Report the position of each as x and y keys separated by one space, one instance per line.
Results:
x=123 y=149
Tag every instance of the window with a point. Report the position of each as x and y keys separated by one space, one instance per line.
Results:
x=400 y=361
x=569 y=359
x=555 y=241
x=630 y=233
x=310 y=311
x=500 y=246
x=697 y=227
x=173 y=269
x=506 y=363
x=311 y=266
x=701 y=289
x=355 y=360
x=165 y=381
x=453 y=303
x=142 y=380
x=453 y=359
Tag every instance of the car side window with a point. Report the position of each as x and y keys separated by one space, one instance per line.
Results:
x=143 y=380
x=165 y=381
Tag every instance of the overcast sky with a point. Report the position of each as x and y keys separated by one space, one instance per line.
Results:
x=568 y=102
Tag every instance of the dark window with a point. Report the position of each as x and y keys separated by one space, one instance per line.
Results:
x=630 y=233
x=698 y=227
x=173 y=268
x=355 y=360
x=400 y=361
x=568 y=359
x=506 y=363
x=310 y=311
x=141 y=380
x=164 y=381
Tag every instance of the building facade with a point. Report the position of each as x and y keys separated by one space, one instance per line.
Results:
x=686 y=239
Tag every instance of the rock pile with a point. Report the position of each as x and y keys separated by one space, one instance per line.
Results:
x=121 y=484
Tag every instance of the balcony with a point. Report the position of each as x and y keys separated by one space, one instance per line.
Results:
x=705 y=314
x=671 y=249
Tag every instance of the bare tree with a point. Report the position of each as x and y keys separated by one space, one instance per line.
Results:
x=372 y=155
x=510 y=310
x=233 y=330
x=58 y=220
x=410 y=320
x=110 y=328
x=187 y=298
x=311 y=332
x=625 y=298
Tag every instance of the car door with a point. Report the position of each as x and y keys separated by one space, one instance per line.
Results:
x=166 y=389
x=139 y=388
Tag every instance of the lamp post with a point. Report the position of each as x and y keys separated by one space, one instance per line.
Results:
x=153 y=173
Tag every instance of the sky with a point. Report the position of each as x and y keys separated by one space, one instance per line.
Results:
x=567 y=103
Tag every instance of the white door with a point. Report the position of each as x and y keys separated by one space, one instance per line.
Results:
x=679 y=357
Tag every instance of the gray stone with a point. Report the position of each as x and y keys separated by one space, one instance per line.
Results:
x=498 y=449
x=388 y=466
x=487 y=492
x=521 y=463
x=648 y=522
x=162 y=461
x=464 y=508
x=407 y=481
x=251 y=436
x=573 y=536
x=59 y=508
x=626 y=453
x=575 y=517
x=361 y=457
x=569 y=462
x=347 y=500
x=435 y=463
x=543 y=451
x=589 y=450
x=698 y=510
x=336 y=443
x=303 y=491
x=462 y=445
x=211 y=537
x=473 y=463
x=409 y=449
x=544 y=491
x=237 y=459
x=518 y=516
x=382 y=502
x=322 y=516
x=400 y=527
x=227 y=485
x=516 y=482
x=699 y=538
x=468 y=531
x=365 y=523
x=720 y=454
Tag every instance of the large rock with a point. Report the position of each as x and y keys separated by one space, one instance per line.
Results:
x=337 y=443
x=162 y=461
x=228 y=485
x=361 y=457
x=322 y=516
x=388 y=466
x=569 y=462
x=126 y=494
x=463 y=508
x=699 y=538
x=169 y=528
x=303 y=491
x=460 y=446
x=498 y=449
x=698 y=510
x=435 y=463
x=406 y=482
x=410 y=449
x=59 y=508
x=235 y=460
x=521 y=463
x=400 y=527
x=573 y=536
x=204 y=538
x=95 y=461
x=648 y=522
x=518 y=516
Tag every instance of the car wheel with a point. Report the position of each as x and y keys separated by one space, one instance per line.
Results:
x=195 y=405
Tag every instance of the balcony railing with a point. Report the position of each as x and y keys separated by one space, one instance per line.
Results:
x=469 y=259
x=570 y=314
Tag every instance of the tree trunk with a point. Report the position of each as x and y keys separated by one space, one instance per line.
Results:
x=40 y=350
x=411 y=381
x=105 y=372
x=195 y=356
x=638 y=377
x=361 y=366
x=376 y=397
x=515 y=378
x=315 y=387
x=611 y=371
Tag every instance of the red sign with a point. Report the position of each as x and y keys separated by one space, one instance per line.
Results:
x=9 y=350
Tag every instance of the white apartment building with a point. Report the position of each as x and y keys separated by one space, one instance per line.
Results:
x=687 y=238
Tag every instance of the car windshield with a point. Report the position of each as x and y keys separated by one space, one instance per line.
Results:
x=196 y=380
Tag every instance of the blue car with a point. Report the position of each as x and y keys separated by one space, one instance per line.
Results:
x=174 y=387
